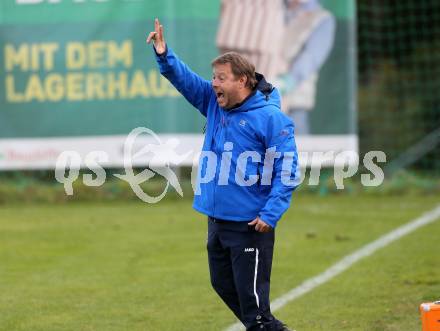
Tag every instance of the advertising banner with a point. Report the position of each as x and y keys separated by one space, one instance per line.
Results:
x=78 y=75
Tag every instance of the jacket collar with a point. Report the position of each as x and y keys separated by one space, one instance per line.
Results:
x=262 y=85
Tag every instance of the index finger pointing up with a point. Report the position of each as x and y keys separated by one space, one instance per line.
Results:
x=156 y=25
x=160 y=32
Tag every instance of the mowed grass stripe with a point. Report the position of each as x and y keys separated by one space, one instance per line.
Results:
x=132 y=266
x=381 y=293
x=349 y=260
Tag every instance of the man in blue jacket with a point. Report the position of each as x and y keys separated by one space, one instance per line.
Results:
x=247 y=173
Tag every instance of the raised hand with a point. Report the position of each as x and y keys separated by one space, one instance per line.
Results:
x=157 y=37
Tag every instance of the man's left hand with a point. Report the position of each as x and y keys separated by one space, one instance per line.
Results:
x=260 y=225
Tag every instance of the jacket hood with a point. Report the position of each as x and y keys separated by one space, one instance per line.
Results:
x=264 y=94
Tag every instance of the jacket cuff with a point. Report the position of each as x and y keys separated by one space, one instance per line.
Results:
x=265 y=219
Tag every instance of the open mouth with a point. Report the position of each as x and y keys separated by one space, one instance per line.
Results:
x=220 y=97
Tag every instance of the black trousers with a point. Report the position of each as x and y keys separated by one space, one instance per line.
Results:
x=240 y=263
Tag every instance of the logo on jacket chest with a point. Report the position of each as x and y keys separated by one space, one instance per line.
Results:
x=242 y=123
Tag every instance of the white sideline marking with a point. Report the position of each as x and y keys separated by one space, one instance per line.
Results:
x=346 y=262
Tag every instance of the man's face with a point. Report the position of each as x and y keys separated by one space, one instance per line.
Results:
x=226 y=86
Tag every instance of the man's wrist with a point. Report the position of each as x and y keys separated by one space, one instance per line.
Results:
x=164 y=53
x=264 y=219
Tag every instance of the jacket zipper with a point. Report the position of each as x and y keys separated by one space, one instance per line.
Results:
x=219 y=133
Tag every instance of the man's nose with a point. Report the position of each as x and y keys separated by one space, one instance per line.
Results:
x=214 y=82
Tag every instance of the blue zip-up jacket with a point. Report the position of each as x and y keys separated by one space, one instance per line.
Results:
x=247 y=190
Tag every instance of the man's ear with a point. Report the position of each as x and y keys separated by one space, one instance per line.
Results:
x=243 y=81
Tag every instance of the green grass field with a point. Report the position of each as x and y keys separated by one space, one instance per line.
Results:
x=132 y=266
